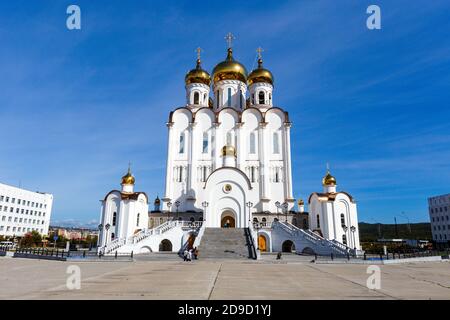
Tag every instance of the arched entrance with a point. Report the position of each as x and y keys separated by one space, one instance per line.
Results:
x=262 y=243
x=165 y=245
x=228 y=220
x=288 y=246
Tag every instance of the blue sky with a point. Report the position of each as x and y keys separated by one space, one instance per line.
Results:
x=76 y=106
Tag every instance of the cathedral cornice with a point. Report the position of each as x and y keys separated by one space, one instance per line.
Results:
x=329 y=196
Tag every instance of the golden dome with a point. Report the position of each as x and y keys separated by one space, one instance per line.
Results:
x=198 y=75
x=228 y=151
x=301 y=202
x=260 y=75
x=128 y=178
x=157 y=201
x=229 y=69
x=329 y=180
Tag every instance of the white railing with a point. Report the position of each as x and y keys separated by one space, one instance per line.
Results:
x=315 y=238
x=114 y=245
x=262 y=225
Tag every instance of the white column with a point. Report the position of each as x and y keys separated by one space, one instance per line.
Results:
x=169 y=168
x=264 y=178
x=287 y=161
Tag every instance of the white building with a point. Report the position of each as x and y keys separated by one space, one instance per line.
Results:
x=23 y=211
x=123 y=213
x=333 y=214
x=229 y=166
x=439 y=210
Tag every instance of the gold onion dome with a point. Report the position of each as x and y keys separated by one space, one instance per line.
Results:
x=228 y=151
x=128 y=178
x=157 y=200
x=260 y=75
x=229 y=69
x=329 y=180
x=301 y=202
x=198 y=75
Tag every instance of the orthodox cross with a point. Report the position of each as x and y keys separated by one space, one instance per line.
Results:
x=328 y=167
x=199 y=51
x=229 y=38
x=259 y=51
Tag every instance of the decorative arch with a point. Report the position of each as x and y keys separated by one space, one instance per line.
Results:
x=165 y=245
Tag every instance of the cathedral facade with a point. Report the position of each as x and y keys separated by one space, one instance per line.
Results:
x=229 y=166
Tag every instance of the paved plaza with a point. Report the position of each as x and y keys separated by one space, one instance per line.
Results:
x=141 y=279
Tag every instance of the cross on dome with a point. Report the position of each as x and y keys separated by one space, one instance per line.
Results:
x=259 y=51
x=199 y=51
x=229 y=38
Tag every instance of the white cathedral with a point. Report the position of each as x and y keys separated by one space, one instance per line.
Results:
x=228 y=187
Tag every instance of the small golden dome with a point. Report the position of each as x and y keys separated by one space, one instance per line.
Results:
x=157 y=201
x=198 y=75
x=229 y=69
x=260 y=75
x=228 y=151
x=301 y=202
x=329 y=180
x=128 y=178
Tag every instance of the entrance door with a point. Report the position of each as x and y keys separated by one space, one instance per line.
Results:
x=228 y=222
x=262 y=243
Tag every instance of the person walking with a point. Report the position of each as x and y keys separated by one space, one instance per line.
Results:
x=185 y=255
x=195 y=253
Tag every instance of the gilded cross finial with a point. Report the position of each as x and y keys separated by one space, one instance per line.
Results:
x=259 y=51
x=199 y=52
x=328 y=167
x=129 y=166
x=229 y=38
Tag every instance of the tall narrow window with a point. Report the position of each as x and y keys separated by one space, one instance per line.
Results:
x=217 y=99
x=277 y=174
x=342 y=219
x=276 y=146
x=180 y=174
x=229 y=138
x=318 y=222
x=252 y=174
x=261 y=97
x=114 y=219
x=270 y=98
x=205 y=142
x=137 y=220
x=229 y=97
x=253 y=98
x=252 y=143
x=196 y=98
x=204 y=173
x=182 y=142
x=205 y=99
x=344 y=239
x=240 y=98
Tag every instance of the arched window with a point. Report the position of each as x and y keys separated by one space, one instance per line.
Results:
x=229 y=97
x=113 y=236
x=240 y=98
x=217 y=98
x=252 y=174
x=344 y=239
x=318 y=222
x=261 y=97
x=255 y=219
x=253 y=98
x=181 y=142
x=252 y=143
x=276 y=145
x=342 y=219
x=264 y=220
x=205 y=99
x=205 y=142
x=192 y=219
x=114 y=218
x=196 y=98
x=137 y=219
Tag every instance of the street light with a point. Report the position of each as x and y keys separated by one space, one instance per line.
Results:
x=204 y=205
x=169 y=204
x=353 y=230
x=177 y=204
x=107 y=228
x=285 y=207
x=277 y=204
x=249 y=205
x=345 y=228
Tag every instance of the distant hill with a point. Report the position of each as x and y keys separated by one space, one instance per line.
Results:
x=374 y=231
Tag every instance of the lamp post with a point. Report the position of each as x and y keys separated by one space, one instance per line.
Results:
x=249 y=205
x=407 y=218
x=100 y=228
x=353 y=230
x=204 y=205
x=107 y=228
x=177 y=204
x=345 y=228
x=169 y=204
x=277 y=204
x=285 y=207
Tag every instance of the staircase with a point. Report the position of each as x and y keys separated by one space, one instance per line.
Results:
x=227 y=243
x=319 y=244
